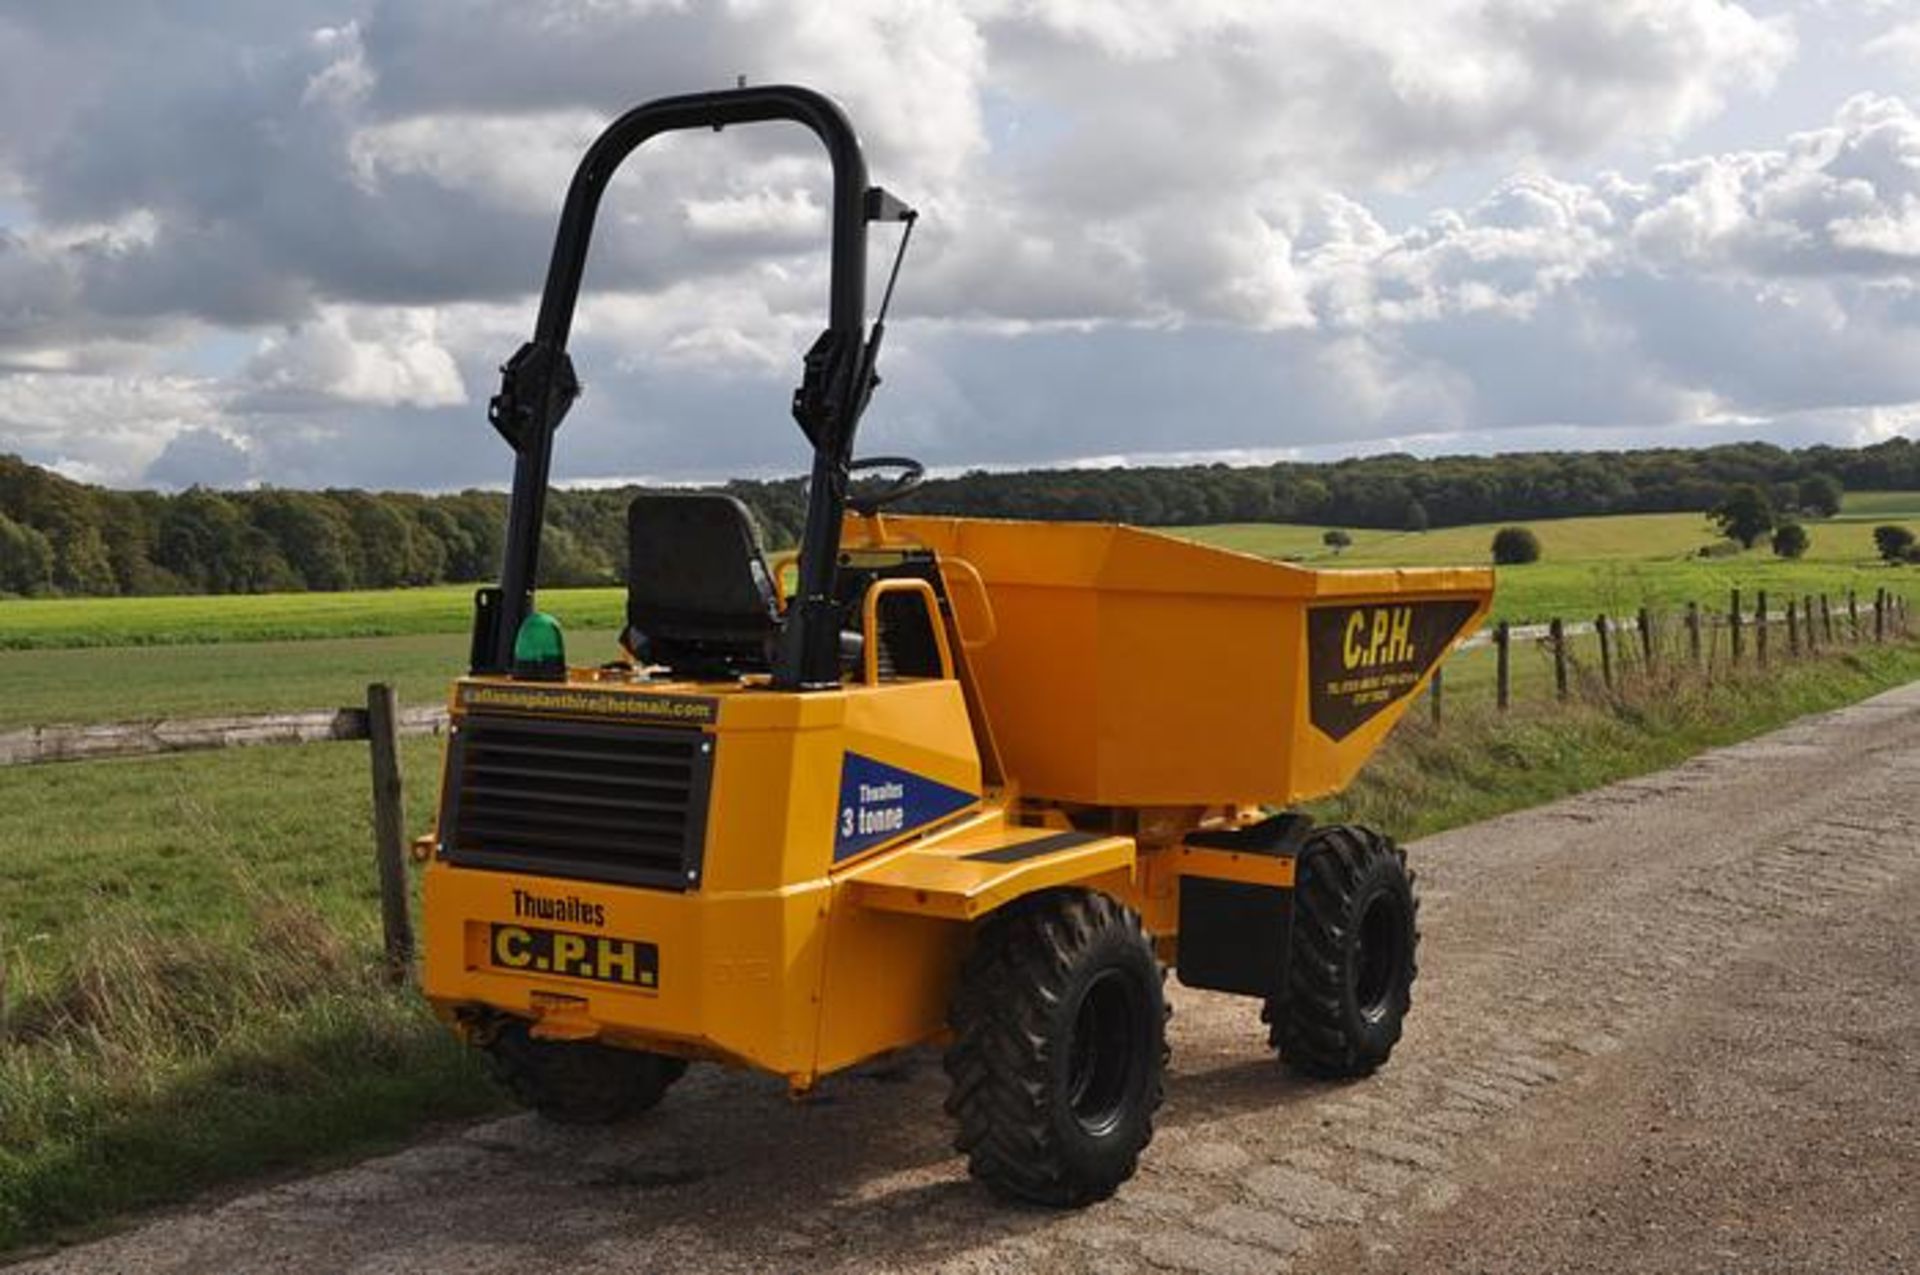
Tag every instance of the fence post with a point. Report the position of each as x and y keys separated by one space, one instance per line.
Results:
x=1601 y=627
x=1646 y=639
x=1853 y=614
x=1826 y=619
x=1434 y=692
x=1557 y=634
x=1806 y=619
x=1693 y=633
x=1793 y=627
x=1733 y=625
x=1760 y=627
x=1879 y=615
x=1503 y=650
x=389 y=836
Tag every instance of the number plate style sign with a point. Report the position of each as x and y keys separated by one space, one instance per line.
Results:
x=1362 y=658
x=600 y=957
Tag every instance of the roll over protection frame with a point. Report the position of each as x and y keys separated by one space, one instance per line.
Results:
x=538 y=383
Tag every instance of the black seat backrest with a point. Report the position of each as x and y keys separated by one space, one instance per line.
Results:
x=698 y=589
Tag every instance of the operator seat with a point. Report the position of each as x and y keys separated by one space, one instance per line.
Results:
x=700 y=598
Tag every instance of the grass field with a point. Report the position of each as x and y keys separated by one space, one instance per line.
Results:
x=1588 y=563
x=39 y=623
x=90 y=660
x=190 y=976
x=137 y=683
x=1614 y=564
x=1880 y=506
x=189 y=988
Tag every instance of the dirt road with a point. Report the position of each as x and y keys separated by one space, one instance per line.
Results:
x=1672 y=1025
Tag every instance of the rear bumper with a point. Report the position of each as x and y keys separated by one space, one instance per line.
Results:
x=733 y=977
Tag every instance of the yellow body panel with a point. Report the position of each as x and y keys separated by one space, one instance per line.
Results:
x=1230 y=865
x=742 y=958
x=955 y=877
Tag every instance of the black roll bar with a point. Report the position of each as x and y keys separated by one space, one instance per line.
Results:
x=538 y=384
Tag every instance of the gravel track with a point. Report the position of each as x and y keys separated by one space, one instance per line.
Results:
x=1666 y=1025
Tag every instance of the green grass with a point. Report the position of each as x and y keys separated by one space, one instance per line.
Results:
x=1592 y=564
x=190 y=972
x=1617 y=561
x=1881 y=506
x=189 y=985
x=138 y=683
x=1615 y=564
x=69 y=622
x=189 y=981
x=1480 y=763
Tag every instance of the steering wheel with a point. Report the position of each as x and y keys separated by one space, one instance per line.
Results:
x=912 y=474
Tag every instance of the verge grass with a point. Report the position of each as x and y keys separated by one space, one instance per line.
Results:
x=1480 y=763
x=190 y=986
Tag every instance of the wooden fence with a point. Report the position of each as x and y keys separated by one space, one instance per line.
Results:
x=1646 y=640
x=132 y=739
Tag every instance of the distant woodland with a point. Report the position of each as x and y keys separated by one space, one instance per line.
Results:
x=62 y=537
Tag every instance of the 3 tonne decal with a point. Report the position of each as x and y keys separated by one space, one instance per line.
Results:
x=878 y=802
x=1362 y=658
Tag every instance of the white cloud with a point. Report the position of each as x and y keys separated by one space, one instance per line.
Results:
x=101 y=428
x=1898 y=45
x=378 y=358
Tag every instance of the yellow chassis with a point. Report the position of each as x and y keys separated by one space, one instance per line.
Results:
x=783 y=960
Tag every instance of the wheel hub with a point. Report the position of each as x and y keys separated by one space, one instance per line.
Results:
x=1382 y=948
x=1100 y=1057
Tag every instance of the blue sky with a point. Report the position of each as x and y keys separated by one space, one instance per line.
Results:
x=289 y=244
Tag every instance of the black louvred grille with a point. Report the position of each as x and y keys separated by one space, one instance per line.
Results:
x=584 y=800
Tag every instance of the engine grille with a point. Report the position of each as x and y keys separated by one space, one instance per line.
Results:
x=590 y=801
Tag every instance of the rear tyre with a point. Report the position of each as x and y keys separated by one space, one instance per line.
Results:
x=579 y=1082
x=1351 y=968
x=1059 y=1049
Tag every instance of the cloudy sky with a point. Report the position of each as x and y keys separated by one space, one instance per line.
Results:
x=289 y=243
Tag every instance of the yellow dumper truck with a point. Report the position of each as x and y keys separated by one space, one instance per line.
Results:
x=923 y=780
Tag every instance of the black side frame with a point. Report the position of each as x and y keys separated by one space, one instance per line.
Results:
x=538 y=384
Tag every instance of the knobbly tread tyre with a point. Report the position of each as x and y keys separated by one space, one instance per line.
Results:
x=1318 y=1024
x=1020 y=996
x=579 y=1082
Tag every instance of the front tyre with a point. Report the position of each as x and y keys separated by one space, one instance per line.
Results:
x=1059 y=1050
x=579 y=1082
x=1351 y=968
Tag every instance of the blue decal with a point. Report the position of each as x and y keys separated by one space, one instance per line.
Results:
x=879 y=802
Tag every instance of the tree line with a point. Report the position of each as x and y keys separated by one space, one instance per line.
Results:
x=62 y=537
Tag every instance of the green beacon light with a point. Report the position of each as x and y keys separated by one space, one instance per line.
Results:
x=540 y=650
